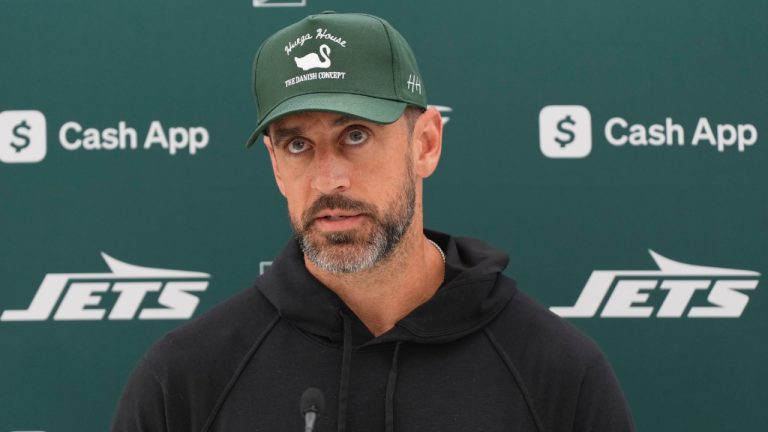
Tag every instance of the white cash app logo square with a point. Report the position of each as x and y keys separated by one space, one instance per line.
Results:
x=565 y=131
x=22 y=136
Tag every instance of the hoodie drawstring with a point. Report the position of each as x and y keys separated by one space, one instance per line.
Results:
x=389 y=406
x=346 y=366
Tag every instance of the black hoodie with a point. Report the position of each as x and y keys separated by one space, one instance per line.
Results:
x=478 y=356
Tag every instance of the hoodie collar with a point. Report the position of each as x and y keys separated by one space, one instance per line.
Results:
x=467 y=300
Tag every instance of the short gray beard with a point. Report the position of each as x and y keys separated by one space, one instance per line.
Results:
x=388 y=231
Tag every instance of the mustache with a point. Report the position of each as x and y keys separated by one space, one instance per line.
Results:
x=335 y=202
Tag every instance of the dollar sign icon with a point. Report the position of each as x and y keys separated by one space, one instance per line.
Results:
x=19 y=133
x=561 y=128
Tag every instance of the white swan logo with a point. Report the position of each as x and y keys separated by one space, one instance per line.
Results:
x=313 y=61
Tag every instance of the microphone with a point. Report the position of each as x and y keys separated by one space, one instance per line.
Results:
x=312 y=404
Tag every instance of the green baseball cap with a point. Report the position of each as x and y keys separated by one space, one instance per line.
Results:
x=353 y=64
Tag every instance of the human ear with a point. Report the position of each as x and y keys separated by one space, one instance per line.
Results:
x=275 y=168
x=428 y=142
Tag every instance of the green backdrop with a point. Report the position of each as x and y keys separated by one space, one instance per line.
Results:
x=492 y=66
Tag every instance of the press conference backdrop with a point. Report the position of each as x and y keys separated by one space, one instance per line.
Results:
x=616 y=149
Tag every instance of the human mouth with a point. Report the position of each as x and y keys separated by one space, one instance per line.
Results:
x=338 y=220
x=336 y=215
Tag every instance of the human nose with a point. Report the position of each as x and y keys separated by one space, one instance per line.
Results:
x=331 y=173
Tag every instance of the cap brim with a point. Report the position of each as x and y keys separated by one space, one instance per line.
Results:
x=377 y=110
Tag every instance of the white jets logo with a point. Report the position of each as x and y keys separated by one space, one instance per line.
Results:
x=632 y=289
x=132 y=286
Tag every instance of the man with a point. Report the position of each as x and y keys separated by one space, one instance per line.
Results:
x=401 y=328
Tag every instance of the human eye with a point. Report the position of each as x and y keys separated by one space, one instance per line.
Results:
x=296 y=146
x=355 y=136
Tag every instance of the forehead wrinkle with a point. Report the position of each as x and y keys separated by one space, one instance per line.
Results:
x=336 y=122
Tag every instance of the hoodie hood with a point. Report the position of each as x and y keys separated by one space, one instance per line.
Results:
x=466 y=301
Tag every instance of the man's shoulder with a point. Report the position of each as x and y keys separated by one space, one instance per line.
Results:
x=531 y=333
x=178 y=382
x=562 y=371
x=220 y=336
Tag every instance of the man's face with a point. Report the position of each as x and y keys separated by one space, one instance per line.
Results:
x=350 y=186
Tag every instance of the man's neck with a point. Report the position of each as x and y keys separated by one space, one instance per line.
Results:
x=386 y=293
